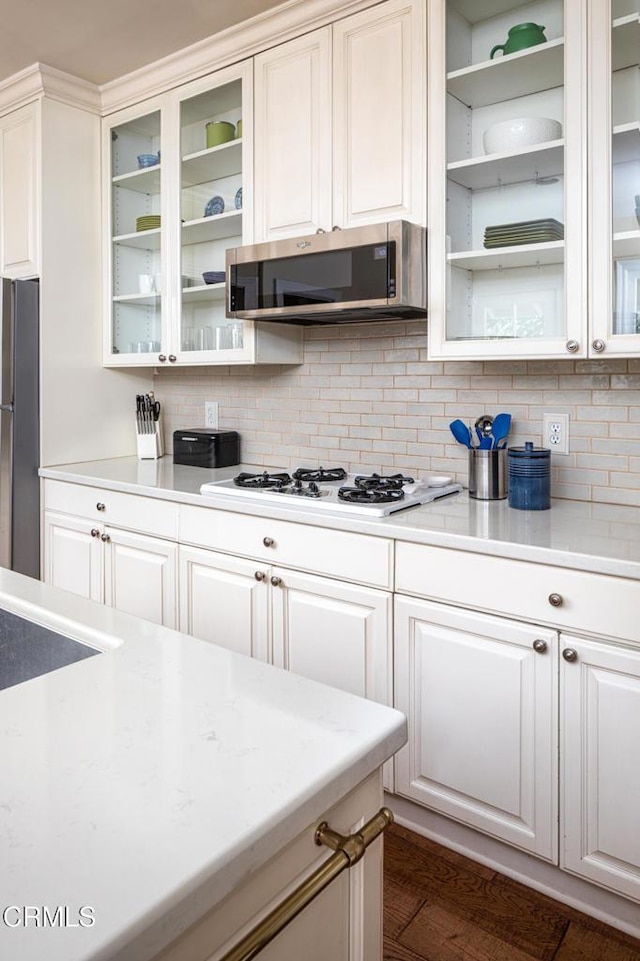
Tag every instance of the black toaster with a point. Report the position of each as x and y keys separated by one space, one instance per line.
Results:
x=206 y=448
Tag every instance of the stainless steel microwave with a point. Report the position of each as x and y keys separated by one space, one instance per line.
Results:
x=368 y=273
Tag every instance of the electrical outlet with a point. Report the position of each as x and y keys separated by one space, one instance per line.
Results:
x=555 y=432
x=211 y=414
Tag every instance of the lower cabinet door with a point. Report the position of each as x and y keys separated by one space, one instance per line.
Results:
x=140 y=576
x=600 y=772
x=225 y=600
x=336 y=633
x=73 y=558
x=480 y=694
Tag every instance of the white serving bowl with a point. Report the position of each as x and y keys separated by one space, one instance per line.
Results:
x=521 y=132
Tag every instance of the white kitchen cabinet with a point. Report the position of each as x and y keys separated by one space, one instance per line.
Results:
x=19 y=193
x=171 y=222
x=319 y=627
x=600 y=776
x=480 y=694
x=73 y=559
x=340 y=124
x=332 y=632
x=614 y=177
x=223 y=601
x=502 y=296
x=135 y=573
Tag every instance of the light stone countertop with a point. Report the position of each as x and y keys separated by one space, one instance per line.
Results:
x=603 y=538
x=146 y=782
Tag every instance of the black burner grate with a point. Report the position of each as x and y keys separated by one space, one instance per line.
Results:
x=365 y=495
x=319 y=474
x=264 y=481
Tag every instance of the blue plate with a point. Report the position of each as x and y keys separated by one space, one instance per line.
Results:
x=214 y=206
x=238 y=199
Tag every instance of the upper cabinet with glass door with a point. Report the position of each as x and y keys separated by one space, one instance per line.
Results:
x=615 y=176
x=179 y=193
x=135 y=251
x=506 y=170
x=213 y=187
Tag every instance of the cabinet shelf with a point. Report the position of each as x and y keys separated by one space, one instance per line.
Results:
x=517 y=75
x=626 y=142
x=138 y=300
x=203 y=293
x=142 y=239
x=145 y=181
x=625 y=41
x=212 y=164
x=523 y=255
x=228 y=224
x=533 y=163
x=626 y=243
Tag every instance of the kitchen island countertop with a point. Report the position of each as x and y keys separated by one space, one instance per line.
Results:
x=145 y=783
x=604 y=538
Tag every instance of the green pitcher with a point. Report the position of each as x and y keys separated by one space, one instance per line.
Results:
x=521 y=36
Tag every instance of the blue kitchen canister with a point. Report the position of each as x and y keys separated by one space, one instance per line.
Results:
x=529 y=477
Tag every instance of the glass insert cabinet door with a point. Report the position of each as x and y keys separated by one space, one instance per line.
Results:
x=211 y=215
x=506 y=179
x=137 y=256
x=615 y=176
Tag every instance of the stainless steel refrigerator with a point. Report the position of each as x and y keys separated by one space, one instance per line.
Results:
x=19 y=426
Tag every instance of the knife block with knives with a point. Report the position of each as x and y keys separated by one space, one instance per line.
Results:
x=148 y=427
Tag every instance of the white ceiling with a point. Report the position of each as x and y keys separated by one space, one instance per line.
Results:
x=99 y=40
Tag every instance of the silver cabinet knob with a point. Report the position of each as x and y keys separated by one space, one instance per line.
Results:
x=259 y=575
x=539 y=646
x=570 y=655
x=276 y=581
x=105 y=538
x=162 y=358
x=598 y=346
x=95 y=532
x=100 y=506
x=572 y=346
x=335 y=227
x=268 y=541
x=172 y=358
x=556 y=600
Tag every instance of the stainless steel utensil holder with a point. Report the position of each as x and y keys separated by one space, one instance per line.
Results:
x=488 y=474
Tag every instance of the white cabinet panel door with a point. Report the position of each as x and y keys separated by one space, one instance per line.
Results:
x=19 y=193
x=293 y=137
x=600 y=770
x=379 y=134
x=222 y=601
x=482 y=712
x=335 y=633
x=73 y=558
x=140 y=576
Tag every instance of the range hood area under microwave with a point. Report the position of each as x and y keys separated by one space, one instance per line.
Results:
x=377 y=272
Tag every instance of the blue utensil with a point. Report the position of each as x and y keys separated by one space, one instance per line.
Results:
x=461 y=432
x=486 y=443
x=501 y=427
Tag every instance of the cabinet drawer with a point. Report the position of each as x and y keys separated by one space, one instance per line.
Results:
x=591 y=603
x=352 y=557
x=131 y=511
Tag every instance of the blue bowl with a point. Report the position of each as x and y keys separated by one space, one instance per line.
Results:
x=148 y=159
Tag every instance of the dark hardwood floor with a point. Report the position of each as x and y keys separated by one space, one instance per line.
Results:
x=440 y=906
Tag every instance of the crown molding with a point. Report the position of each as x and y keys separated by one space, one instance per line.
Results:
x=39 y=80
x=236 y=43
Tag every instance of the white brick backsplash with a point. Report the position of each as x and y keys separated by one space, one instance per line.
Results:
x=371 y=399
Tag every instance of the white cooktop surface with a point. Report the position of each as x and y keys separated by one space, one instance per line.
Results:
x=422 y=492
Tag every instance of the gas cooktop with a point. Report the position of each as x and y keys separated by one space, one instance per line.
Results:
x=333 y=489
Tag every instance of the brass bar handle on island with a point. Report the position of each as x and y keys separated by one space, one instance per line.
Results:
x=348 y=851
